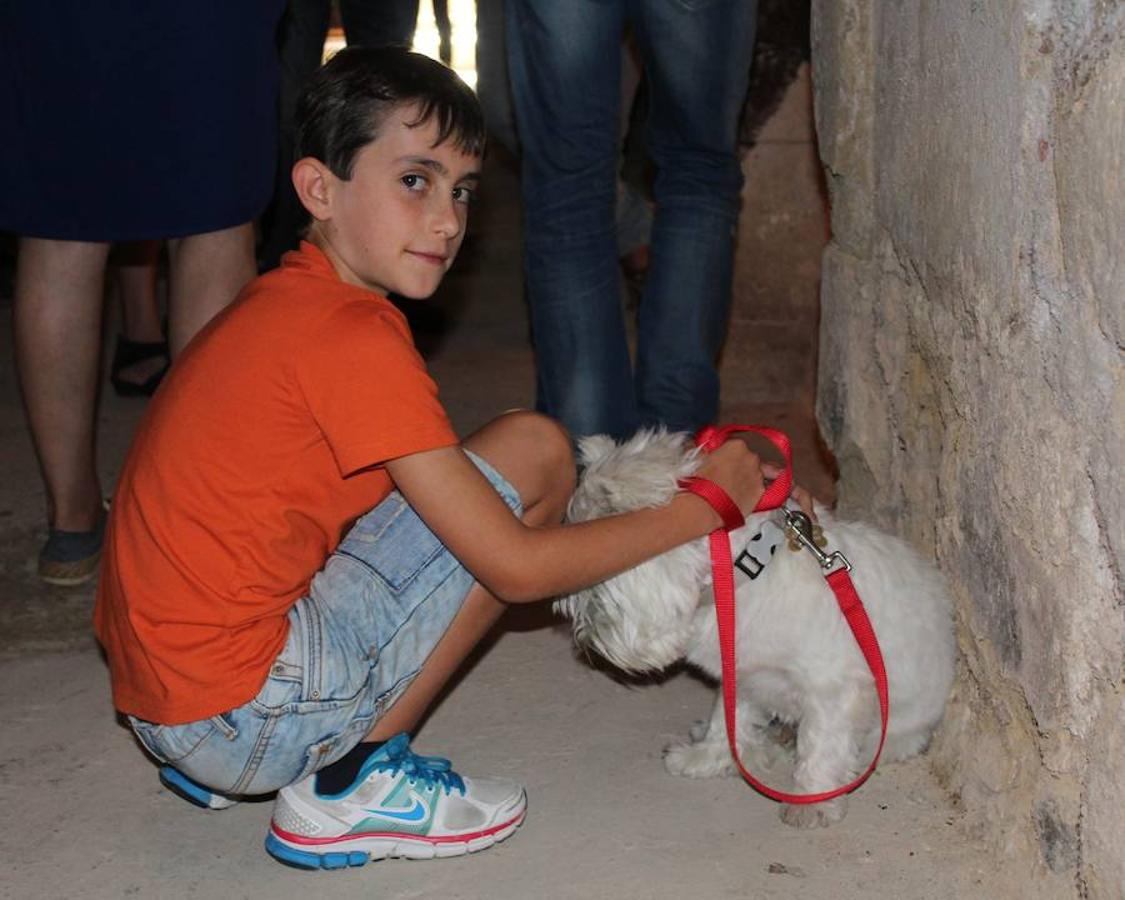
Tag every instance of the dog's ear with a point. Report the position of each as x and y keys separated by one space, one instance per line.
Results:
x=593 y=448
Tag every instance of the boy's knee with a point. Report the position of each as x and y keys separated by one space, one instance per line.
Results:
x=547 y=438
x=540 y=455
x=558 y=453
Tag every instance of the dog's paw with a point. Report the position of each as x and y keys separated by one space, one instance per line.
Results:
x=698 y=730
x=702 y=760
x=812 y=815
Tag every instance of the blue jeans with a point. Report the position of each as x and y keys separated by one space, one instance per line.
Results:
x=564 y=59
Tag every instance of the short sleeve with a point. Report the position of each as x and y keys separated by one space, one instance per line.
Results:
x=368 y=389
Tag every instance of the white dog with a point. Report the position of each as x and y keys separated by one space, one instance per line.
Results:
x=798 y=664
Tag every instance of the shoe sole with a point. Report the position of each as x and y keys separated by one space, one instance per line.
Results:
x=79 y=573
x=197 y=795
x=360 y=850
x=61 y=581
x=71 y=573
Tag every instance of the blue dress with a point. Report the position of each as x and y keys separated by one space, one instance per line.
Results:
x=133 y=119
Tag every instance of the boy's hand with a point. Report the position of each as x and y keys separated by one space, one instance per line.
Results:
x=737 y=470
x=741 y=473
x=804 y=500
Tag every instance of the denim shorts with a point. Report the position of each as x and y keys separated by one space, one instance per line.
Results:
x=373 y=615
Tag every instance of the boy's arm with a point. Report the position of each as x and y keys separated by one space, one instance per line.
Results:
x=521 y=563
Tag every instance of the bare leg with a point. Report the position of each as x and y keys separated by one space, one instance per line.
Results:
x=135 y=268
x=534 y=454
x=207 y=271
x=57 y=322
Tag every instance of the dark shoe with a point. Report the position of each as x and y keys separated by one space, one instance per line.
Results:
x=129 y=353
x=70 y=558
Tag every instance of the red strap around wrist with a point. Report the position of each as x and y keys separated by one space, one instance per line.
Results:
x=717 y=498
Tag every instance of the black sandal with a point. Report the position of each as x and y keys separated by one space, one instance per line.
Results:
x=129 y=353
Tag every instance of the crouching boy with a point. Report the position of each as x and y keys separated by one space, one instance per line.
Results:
x=301 y=551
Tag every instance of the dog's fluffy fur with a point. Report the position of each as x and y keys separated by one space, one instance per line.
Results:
x=797 y=662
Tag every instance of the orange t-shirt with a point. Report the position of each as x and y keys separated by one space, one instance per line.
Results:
x=260 y=449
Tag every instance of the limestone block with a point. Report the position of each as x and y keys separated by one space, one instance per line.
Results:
x=1088 y=160
x=841 y=49
x=949 y=119
x=1103 y=826
x=971 y=385
x=851 y=404
x=965 y=326
x=876 y=398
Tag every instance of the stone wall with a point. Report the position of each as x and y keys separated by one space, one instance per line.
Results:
x=971 y=382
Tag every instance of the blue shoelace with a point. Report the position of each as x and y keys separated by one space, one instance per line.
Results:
x=430 y=770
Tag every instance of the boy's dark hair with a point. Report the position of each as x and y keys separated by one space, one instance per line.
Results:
x=348 y=99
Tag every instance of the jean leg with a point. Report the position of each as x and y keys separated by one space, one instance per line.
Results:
x=493 y=90
x=698 y=55
x=565 y=65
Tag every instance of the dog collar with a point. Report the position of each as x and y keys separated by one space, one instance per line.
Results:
x=760 y=549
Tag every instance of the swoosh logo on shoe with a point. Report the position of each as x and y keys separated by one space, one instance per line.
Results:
x=416 y=813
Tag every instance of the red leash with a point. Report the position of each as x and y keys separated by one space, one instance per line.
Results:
x=723 y=578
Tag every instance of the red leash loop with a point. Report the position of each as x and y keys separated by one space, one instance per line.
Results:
x=710 y=437
x=722 y=569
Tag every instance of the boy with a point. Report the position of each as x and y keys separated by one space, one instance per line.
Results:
x=252 y=649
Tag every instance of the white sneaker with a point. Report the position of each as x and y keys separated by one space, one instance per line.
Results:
x=400 y=805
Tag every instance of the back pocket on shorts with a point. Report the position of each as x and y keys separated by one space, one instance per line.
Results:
x=396 y=545
x=172 y=743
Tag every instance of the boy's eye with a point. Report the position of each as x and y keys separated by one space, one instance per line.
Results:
x=414 y=181
x=464 y=194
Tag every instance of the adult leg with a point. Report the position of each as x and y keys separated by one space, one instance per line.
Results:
x=533 y=453
x=373 y=23
x=135 y=266
x=565 y=65
x=445 y=31
x=57 y=317
x=206 y=272
x=698 y=64
x=493 y=89
x=142 y=351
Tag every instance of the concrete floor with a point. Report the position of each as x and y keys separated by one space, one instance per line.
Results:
x=84 y=815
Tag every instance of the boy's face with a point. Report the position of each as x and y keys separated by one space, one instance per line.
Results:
x=397 y=224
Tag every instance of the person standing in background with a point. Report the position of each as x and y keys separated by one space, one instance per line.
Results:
x=633 y=212
x=122 y=123
x=564 y=62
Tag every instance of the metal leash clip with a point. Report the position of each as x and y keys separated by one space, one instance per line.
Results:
x=800 y=528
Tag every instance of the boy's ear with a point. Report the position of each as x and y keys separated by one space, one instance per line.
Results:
x=313 y=180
